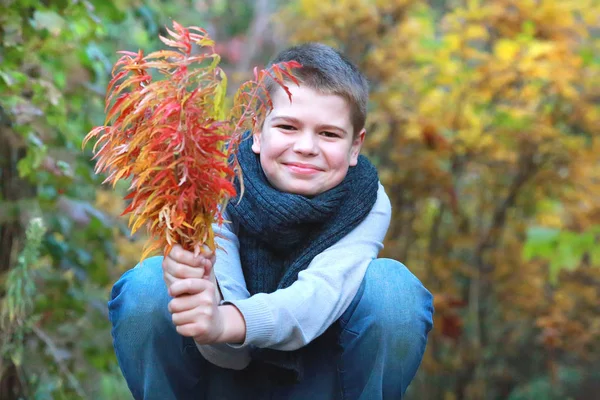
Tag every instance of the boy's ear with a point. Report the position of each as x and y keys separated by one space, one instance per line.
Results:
x=256 y=143
x=356 y=146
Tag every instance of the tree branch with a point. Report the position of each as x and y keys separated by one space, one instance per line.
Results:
x=527 y=169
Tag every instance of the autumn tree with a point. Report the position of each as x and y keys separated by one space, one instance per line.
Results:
x=484 y=123
x=62 y=241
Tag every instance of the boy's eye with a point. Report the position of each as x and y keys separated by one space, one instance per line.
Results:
x=286 y=127
x=330 y=134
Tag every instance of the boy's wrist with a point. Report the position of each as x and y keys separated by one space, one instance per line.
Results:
x=234 y=325
x=218 y=292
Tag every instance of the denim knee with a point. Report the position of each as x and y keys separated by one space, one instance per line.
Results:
x=394 y=304
x=139 y=299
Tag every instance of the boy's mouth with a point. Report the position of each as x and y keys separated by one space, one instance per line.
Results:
x=301 y=168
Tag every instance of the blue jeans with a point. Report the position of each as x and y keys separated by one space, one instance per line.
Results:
x=372 y=352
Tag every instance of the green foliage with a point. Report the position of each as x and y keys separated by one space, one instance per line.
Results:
x=17 y=304
x=19 y=284
x=568 y=379
x=56 y=61
x=562 y=249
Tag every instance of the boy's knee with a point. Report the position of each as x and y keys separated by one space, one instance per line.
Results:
x=140 y=296
x=399 y=305
x=394 y=285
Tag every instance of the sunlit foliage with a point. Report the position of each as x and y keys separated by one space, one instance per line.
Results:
x=485 y=125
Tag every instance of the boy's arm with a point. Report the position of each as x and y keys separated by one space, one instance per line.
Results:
x=232 y=286
x=228 y=267
x=290 y=318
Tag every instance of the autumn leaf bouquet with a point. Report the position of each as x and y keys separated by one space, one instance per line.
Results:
x=167 y=128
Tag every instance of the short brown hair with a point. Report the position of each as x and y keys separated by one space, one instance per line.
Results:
x=328 y=71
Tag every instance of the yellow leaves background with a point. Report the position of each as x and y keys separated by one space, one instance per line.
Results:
x=485 y=121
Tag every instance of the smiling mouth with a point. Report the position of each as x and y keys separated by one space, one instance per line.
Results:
x=303 y=169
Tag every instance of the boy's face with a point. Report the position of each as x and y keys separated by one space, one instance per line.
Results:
x=306 y=146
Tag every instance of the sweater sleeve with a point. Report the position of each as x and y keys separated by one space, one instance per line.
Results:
x=290 y=318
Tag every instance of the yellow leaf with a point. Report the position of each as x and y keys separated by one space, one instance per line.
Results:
x=155 y=245
x=476 y=32
x=453 y=42
x=506 y=50
x=537 y=49
x=220 y=92
x=433 y=103
x=137 y=224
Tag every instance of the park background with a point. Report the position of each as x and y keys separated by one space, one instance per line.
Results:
x=484 y=122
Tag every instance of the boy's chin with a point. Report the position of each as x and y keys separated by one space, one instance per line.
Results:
x=300 y=188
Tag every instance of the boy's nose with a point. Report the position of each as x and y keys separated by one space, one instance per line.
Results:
x=306 y=144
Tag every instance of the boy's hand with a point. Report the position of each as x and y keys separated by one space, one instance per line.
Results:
x=195 y=310
x=183 y=264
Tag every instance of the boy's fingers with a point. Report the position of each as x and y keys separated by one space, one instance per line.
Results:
x=169 y=279
x=185 y=302
x=208 y=267
x=183 y=271
x=194 y=330
x=182 y=256
x=185 y=317
x=190 y=286
x=204 y=252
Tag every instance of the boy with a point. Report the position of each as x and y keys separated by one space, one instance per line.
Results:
x=296 y=304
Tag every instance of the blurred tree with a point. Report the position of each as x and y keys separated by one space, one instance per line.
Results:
x=55 y=62
x=485 y=124
x=52 y=76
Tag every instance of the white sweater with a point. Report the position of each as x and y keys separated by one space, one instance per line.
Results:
x=290 y=318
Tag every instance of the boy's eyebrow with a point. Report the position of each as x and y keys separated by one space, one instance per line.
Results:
x=298 y=122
